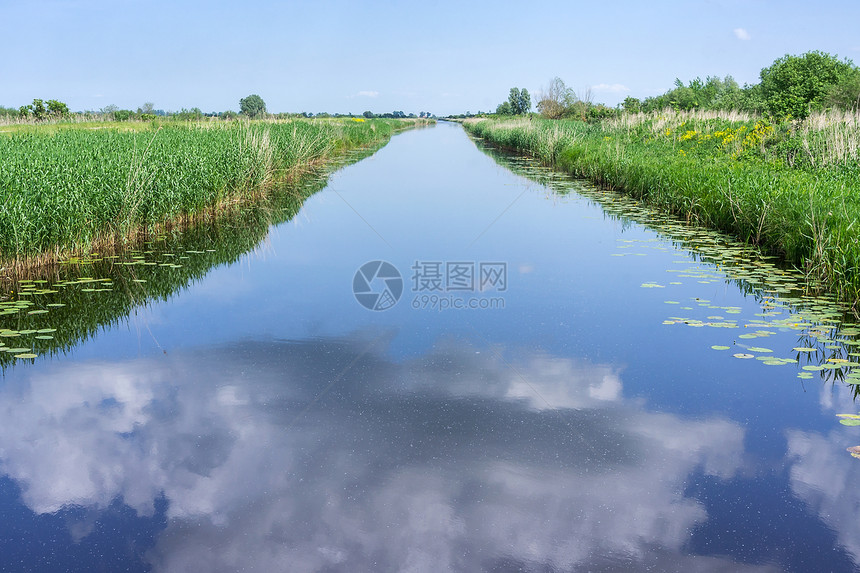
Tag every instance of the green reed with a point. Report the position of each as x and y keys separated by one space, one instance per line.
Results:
x=791 y=189
x=72 y=189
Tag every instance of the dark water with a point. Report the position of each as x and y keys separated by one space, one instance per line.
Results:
x=245 y=412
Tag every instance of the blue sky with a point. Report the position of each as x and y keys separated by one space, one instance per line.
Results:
x=444 y=57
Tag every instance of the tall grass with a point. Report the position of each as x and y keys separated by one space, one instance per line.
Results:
x=72 y=189
x=792 y=189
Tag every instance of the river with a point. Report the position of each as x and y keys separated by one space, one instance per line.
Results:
x=446 y=359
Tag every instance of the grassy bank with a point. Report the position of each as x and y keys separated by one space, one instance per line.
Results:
x=792 y=189
x=68 y=190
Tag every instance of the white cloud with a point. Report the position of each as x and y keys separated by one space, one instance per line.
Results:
x=825 y=476
x=546 y=462
x=742 y=34
x=611 y=88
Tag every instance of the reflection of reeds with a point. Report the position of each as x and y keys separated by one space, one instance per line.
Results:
x=177 y=257
x=78 y=189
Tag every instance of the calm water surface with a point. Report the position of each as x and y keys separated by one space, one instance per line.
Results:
x=252 y=415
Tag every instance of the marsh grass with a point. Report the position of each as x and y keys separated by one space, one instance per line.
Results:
x=792 y=189
x=73 y=190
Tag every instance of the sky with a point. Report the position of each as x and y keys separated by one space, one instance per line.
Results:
x=444 y=57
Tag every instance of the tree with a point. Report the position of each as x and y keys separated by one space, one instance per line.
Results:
x=520 y=101
x=252 y=106
x=504 y=108
x=57 y=108
x=631 y=105
x=556 y=100
x=846 y=93
x=38 y=109
x=795 y=85
x=368 y=115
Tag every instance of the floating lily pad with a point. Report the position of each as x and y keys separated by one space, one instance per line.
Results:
x=742 y=355
x=715 y=347
x=31 y=355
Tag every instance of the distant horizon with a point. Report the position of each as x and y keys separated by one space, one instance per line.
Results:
x=333 y=57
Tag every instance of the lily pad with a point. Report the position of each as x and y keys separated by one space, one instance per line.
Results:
x=716 y=347
x=742 y=355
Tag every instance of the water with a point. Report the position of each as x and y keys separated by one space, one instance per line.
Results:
x=245 y=412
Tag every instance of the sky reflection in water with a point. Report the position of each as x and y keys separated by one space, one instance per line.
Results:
x=262 y=419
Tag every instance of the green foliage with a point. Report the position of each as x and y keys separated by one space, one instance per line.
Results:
x=793 y=86
x=57 y=108
x=631 y=105
x=69 y=188
x=520 y=101
x=252 y=106
x=504 y=108
x=193 y=114
x=557 y=100
x=845 y=93
x=787 y=188
x=713 y=93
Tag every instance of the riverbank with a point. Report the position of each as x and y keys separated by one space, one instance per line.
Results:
x=793 y=190
x=72 y=191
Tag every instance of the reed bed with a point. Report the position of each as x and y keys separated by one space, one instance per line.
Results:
x=793 y=189
x=75 y=189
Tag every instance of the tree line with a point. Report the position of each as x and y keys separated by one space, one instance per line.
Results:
x=791 y=87
x=252 y=107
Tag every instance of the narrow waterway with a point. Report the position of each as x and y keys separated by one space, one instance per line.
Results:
x=448 y=360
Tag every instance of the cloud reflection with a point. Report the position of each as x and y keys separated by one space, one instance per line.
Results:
x=457 y=460
x=824 y=475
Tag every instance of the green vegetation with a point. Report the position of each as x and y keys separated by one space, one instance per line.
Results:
x=519 y=103
x=776 y=164
x=64 y=304
x=789 y=187
x=827 y=344
x=791 y=87
x=558 y=101
x=72 y=189
x=252 y=106
x=794 y=86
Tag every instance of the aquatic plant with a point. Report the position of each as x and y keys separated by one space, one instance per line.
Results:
x=74 y=189
x=790 y=188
